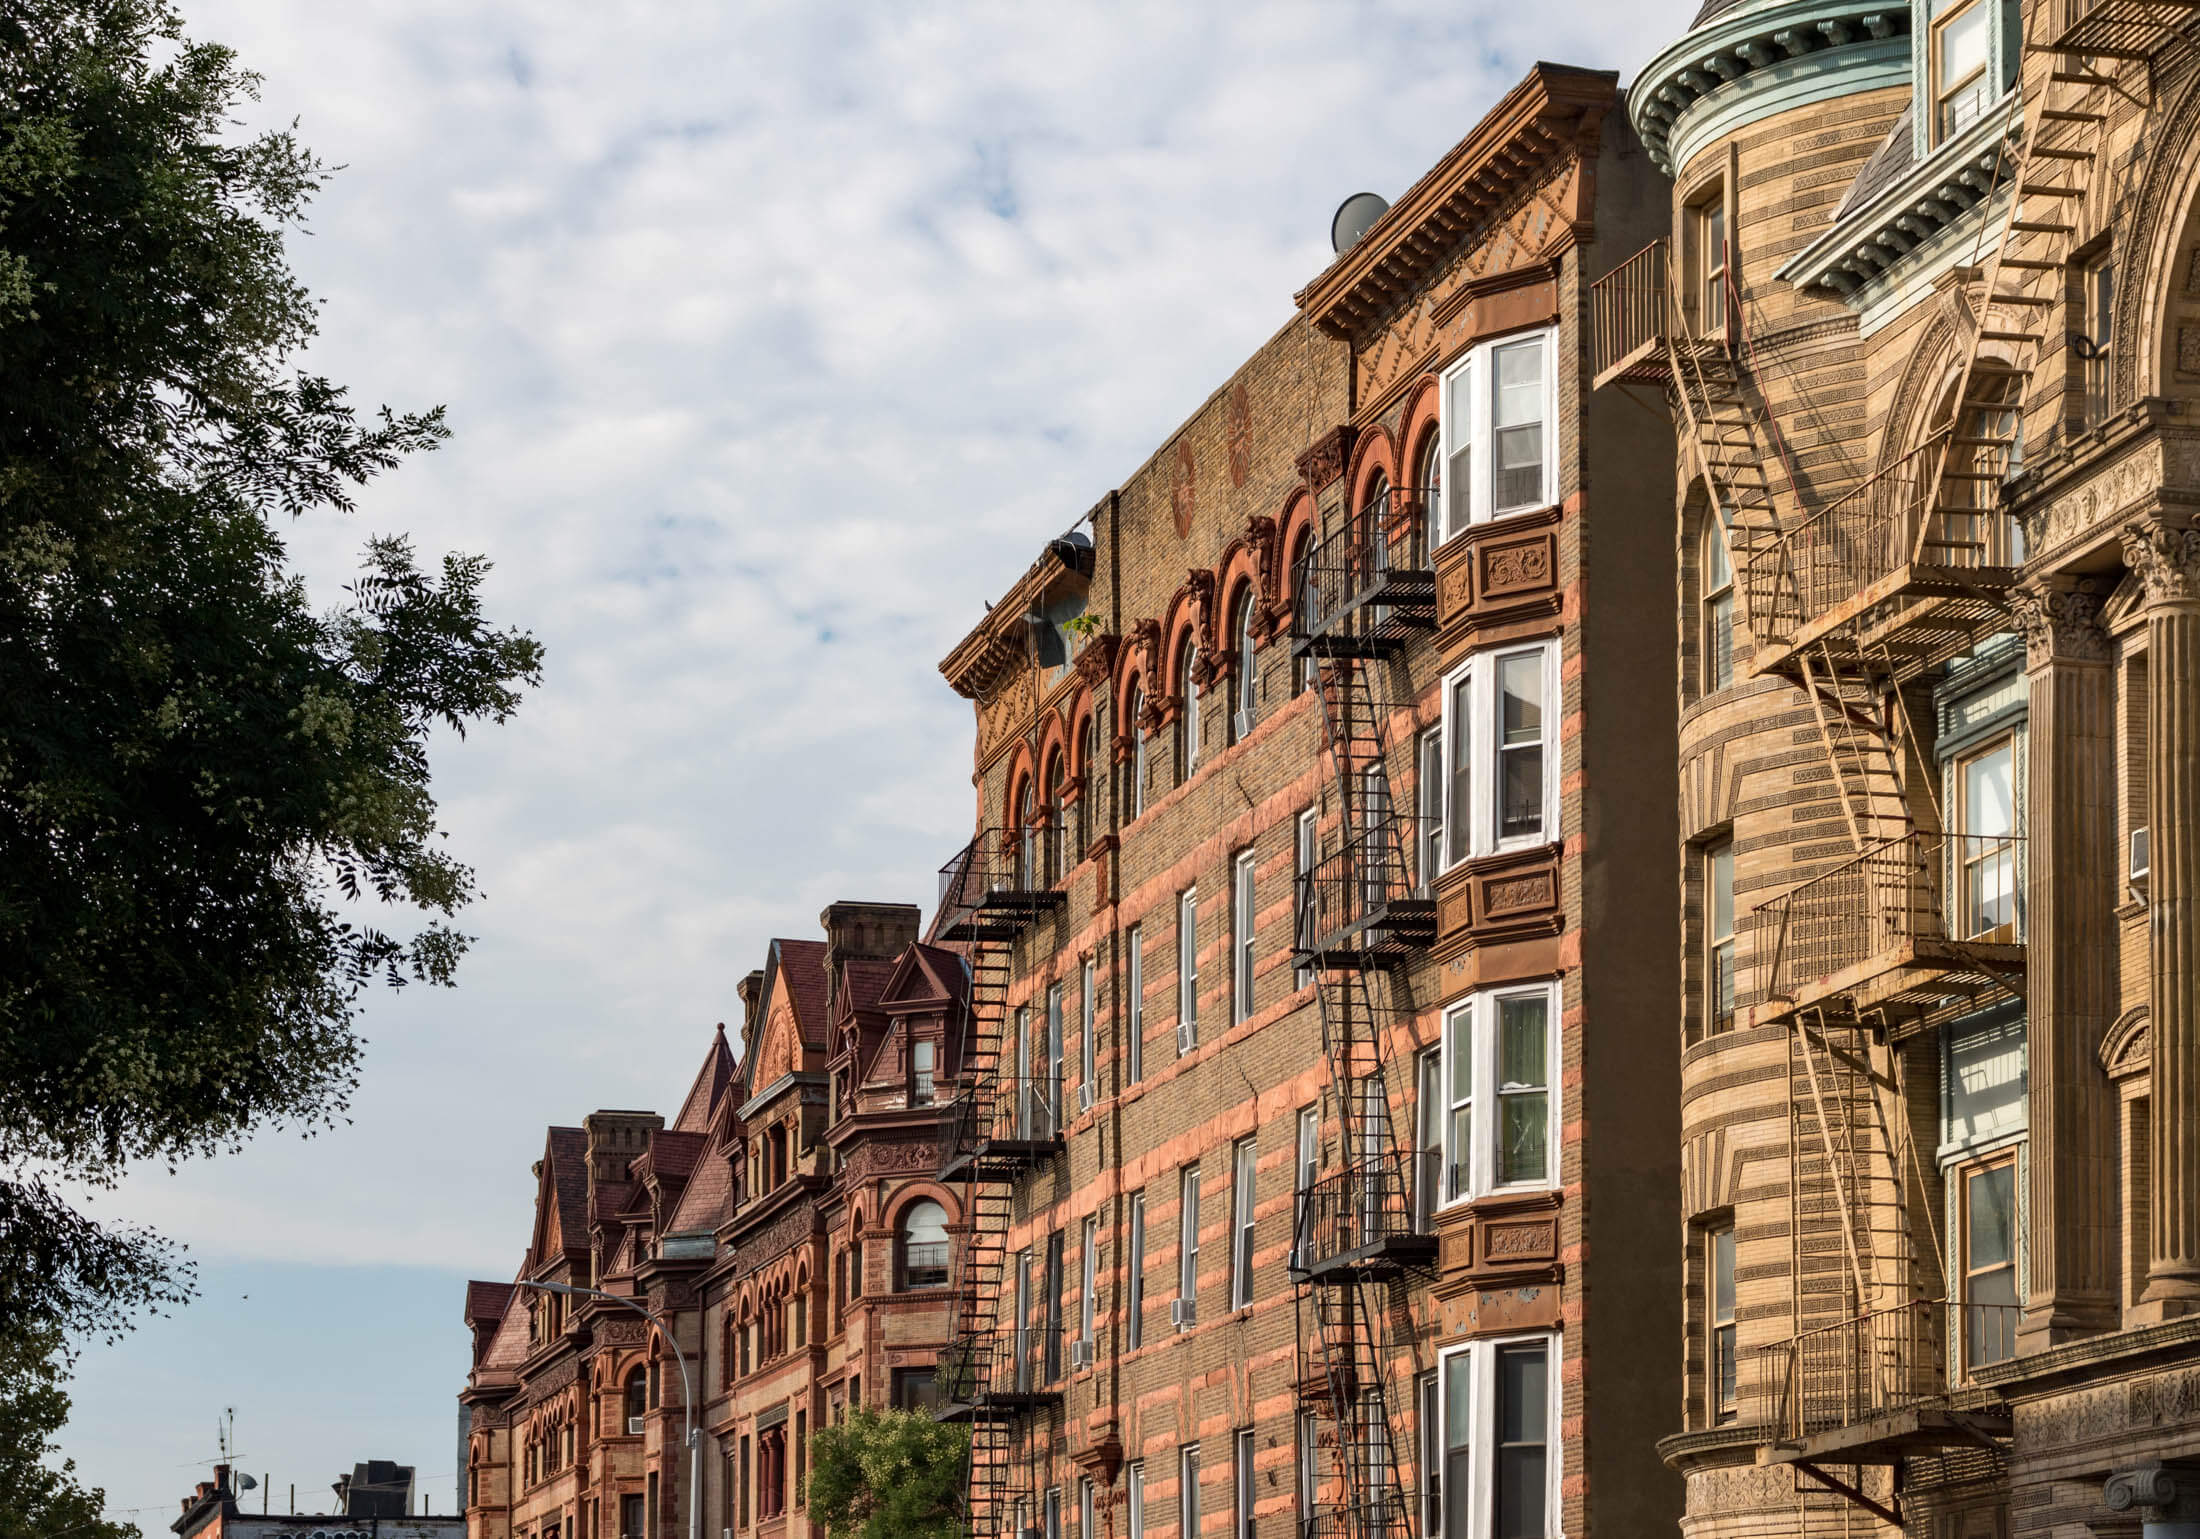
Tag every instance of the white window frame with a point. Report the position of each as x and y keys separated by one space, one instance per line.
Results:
x=1134 y=1007
x=1478 y=368
x=1134 y=1499
x=1244 y=896
x=1428 y=1420
x=1051 y=1513
x=1244 y=1214
x=1088 y=1513
x=1308 y=1452
x=1088 y=1053
x=1051 y=1087
x=1187 y=1234
x=1475 y=682
x=1088 y=1312
x=1482 y=1011
x=1138 y=756
x=1428 y=796
x=1428 y=1134
x=1306 y=1155
x=1187 y=970
x=1481 y=1358
x=1187 y=1491
x=1306 y=853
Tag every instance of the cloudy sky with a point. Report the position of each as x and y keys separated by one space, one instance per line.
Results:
x=776 y=337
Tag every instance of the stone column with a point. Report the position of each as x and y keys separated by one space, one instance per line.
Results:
x=2167 y=560
x=2071 y=890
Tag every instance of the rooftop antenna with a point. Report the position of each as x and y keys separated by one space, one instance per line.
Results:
x=1355 y=216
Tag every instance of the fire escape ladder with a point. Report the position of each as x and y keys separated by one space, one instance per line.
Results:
x=1846 y=705
x=1862 y=1161
x=2059 y=155
x=1727 y=434
x=1360 y=917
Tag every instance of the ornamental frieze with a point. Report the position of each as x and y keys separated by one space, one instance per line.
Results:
x=775 y=1239
x=2102 y=499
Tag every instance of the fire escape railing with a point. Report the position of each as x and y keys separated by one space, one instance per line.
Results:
x=1368 y=586
x=1628 y=309
x=1962 y=888
x=1873 y=1365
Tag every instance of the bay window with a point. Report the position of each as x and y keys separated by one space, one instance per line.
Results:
x=1501 y=767
x=1498 y=1055
x=1500 y=1426
x=1498 y=405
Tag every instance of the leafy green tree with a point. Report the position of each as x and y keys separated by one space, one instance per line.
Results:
x=887 y=1475
x=39 y=1498
x=202 y=774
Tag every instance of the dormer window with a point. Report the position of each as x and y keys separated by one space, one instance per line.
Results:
x=923 y=1066
x=1962 y=84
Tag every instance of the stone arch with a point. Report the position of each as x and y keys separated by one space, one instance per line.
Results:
x=1373 y=455
x=2153 y=255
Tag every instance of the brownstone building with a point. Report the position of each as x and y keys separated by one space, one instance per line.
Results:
x=1928 y=333
x=784 y=1233
x=1316 y=1119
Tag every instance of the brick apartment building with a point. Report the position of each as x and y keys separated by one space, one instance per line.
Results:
x=1316 y=1119
x=1930 y=335
x=784 y=1231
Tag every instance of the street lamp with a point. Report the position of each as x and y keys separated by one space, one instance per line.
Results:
x=687 y=1389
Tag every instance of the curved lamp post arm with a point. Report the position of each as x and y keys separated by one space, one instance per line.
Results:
x=687 y=1388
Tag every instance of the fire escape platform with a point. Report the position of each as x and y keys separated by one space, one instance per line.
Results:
x=1917 y=979
x=999 y=1405
x=1386 y=1257
x=1000 y=1159
x=1892 y=1436
x=1920 y=615
x=1650 y=362
x=2125 y=29
x=1378 y=935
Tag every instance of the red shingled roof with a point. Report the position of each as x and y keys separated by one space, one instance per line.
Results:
x=710 y=1083
x=708 y=1200
x=488 y=1300
x=568 y=1157
x=802 y=975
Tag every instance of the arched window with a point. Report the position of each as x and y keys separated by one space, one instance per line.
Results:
x=1089 y=749
x=1058 y=862
x=1431 y=488
x=1718 y=607
x=1248 y=665
x=1136 y=799
x=637 y=1400
x=1302 y=607
x=924 y=1245
x=1187 y=711
x=1027 y=837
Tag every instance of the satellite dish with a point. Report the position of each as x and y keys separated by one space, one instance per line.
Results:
x=1355 y=216
x=247 y=1483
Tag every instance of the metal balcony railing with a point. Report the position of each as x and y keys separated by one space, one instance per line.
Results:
x=1900 y=904
x=1630 y=309
x=993 y=887
x=1360 y=899
x=1368 y=584
x=1361 y=1221
x=1908 y=518
x=1002 y=1369
x=1846 y=1376
x=1005 y=1122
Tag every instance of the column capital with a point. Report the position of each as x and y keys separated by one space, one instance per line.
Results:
x=2165 y=558
x=2060 y=620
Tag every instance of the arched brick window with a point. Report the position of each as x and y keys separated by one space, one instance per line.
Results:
x=922 y=1241
x=1187 y=711
x=1058 y=861
x=1247 y=692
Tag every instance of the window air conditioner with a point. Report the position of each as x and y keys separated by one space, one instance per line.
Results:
x=1186 y=1038
x=1183 y=1313
x=634 y=1426
x=2139 y=854
x=1084 y=1096
x=1080 y=1354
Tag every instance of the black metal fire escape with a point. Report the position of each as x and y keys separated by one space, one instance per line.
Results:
x=1366 y=590
x=1003 y=1122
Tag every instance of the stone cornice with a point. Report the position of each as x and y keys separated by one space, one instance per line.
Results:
x=1555 y=112
x=2088 y=1360
x=1933 y=196
x=996 y=646
x=1815 y=45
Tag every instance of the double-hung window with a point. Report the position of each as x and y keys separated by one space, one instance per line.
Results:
x=1429 y=1423
x=1187 y=1490
x=1718 y=608
x=1499 y=403
x=1187 y=970
x=1963 y=85
x=1088 y=1047
x=1428 y=1165
x=1187 y=1247
x=1986 y=853
x=1302 y=897
x=1088 y=1510
x=1306 y=1169
x=1134 y=1280
x=1718 y=881
x=1134 y=1500
x=1088 y=1286
x=1428 y=812
x=1244 y=1158
x=1242 y=1488
x=1134 y=1007
x=1499 y=1132
x=1725 y=1364
x=1241 y=935
x=1026 y=1082
x=1050 y=1087
x=1501 y=775
x=1500 y=1426
x=1989 y=1257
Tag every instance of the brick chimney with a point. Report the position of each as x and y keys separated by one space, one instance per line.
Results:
x=615 y=1137
x=867 y=932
